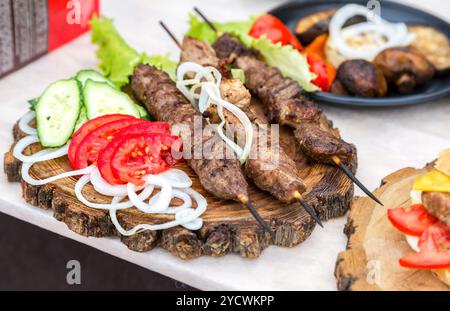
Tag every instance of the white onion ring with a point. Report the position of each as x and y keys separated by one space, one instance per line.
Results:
x=210 y=93
x=38 y=182
x=178 y=178
x=146 y=192
x=188 y=218
x=164 y=198
x=105 y=188
x=187 y=201
x=397 y=33
x=31 y=139
x=24 y=123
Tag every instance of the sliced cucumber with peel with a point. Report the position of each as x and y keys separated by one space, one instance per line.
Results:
x=82 y=118
x=57 y=111
x=89 y=74
x=100 y=98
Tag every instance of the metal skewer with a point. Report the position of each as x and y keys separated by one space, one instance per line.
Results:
x=335 y=159
x=242 y=198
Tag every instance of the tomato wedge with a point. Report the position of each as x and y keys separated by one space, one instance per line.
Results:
x=105 y=155
x=413 y=220
x=96 y=140
x=434 y=250
x=136 y=155
x=88 y=127
x=440 y=233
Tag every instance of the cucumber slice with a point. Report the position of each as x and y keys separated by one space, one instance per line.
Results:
x=82 y=118
x=100 y=98
x=57 y=111
x=88 y=74
x=143 y=114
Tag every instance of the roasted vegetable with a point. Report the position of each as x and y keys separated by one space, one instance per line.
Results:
x=405 y=67
x=434 y=45
x=310 y=27
x=362 y=78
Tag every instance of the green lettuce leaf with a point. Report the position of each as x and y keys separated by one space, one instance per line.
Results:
x=288 y=60
x=117 y=58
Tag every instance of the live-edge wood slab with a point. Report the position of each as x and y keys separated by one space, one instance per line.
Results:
x=374 y=247
x=228 y=227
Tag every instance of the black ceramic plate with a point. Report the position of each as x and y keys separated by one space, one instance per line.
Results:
x=439 y=87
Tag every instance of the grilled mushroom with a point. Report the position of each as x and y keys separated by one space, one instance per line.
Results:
x=405 y=67
x=362 y=78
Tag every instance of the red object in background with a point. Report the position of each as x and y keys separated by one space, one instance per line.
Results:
x=275 y=31
x=30 y=29
x=324 y=71
x=68 y=19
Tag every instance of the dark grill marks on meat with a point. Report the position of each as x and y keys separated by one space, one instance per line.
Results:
x=287 y=105
x=221 y=177
x=268 y=166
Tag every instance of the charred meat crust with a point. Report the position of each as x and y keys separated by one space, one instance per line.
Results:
x=286 y=103
x=220 y=176
x=268 y=166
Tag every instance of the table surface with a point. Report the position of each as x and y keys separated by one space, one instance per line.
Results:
x=387 y=140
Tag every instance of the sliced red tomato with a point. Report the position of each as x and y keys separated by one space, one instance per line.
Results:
x=105 y=155
x=440 y=233
x=434 y=250
x=275 y=30
x=137 y=155
x=413 y=220
x=88 y=127
x=96 y=140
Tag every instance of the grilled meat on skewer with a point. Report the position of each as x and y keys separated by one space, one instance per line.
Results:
x=219 y=172
x=282 y=180
x=287 y=105
x=221 y=177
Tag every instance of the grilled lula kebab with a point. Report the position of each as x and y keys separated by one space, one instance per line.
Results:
x=220 y=176
x=282 y=180
x=287 y=105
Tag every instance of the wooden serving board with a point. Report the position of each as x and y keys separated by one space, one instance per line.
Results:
x=374 y=247
x=228 y=227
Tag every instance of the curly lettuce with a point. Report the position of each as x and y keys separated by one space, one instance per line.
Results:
x=288 y=60
x=117 y=58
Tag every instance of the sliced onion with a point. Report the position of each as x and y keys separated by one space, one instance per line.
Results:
x=187 y=201
x=177 y=178
x=164 y=197
x=29 y=140
x=24 y=123
x=38 y=182
x=146 y=192
x=105 y=188
x=413 y=242
x=209 y=94
x=396 y=33
x=187 y=218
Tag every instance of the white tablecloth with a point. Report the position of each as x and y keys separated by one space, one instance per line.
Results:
x=387 y=140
